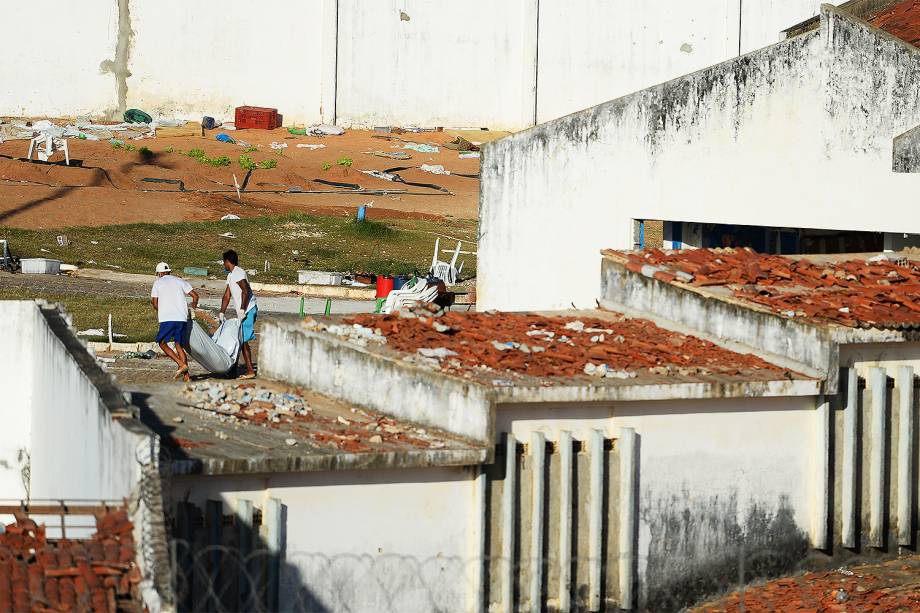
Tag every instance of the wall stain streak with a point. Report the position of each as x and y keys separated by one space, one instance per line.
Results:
x=119 y=65
x=696 y=543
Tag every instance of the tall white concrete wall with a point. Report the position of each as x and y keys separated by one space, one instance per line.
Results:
x=795 y=135
x=478 y=63
x=52 y=56
x=364 y=541
x=714 y=475
x=56 y=427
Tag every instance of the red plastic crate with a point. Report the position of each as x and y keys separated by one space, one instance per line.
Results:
x=258 y=117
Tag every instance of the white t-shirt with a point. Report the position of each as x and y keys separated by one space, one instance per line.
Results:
x=170 y=292
x=233 y=280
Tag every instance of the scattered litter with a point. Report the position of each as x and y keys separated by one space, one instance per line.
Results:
x=379 y=174
x=225 y=138
x=137 y=355
x=421 y=148
x=290 y=442
x=98 y=332
x=195 y=271
x=137 y=116
x=439 y=352
x=227 y=235
x=209 y=123
x=177 y=420
x=466 y=155
x=436 y=169
x=310 y=146
x=276 y=145
x=324 y=130
x=94 y=242
x=392 y=155
x=229 y=217
x=355 y=333
x=461 y=144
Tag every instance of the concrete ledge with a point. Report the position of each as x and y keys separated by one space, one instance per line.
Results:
x=343 y=370
x=331 y=461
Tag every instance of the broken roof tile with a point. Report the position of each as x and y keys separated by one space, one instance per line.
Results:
x=849 y=291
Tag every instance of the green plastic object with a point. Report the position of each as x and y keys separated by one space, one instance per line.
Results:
x=137 y=116
x=297 y=131
x=328 y=306
x=195 y=271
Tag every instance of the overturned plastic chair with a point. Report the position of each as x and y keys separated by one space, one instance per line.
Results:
x=445 y=271
x=217 y=353
x=46 y=145
x=421 y=291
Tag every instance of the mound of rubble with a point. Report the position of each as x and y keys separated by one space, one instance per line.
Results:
x=547 y=347
x=98 y=574
x=249 y=403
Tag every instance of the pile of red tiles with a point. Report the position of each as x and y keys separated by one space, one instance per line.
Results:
x=622 y=344
x=901 y=20
x=892 y=587
x=848 y=292
x=41 y=575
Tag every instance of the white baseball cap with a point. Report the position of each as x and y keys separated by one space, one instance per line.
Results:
x=163 y=267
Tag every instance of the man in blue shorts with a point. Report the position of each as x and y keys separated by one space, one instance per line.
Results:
x=245 y=302
x=168 y=299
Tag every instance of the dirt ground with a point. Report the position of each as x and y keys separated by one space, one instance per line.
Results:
x=108 y=188
x=883 y=587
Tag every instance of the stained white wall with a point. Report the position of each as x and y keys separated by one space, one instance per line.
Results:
x=52 y=55
x=364 y=541
x=190 y=59
x=706 y=467
x=473 y=63
x=795 y=135
x=54 y=418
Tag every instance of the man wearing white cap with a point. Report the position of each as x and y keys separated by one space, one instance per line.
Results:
x=168 y=299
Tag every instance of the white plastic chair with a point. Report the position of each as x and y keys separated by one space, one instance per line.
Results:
x=445 y=271
x=46 y=145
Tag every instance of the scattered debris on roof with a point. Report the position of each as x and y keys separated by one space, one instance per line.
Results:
x=555 y=346
x=879 y=292
x=98 y=574
x=252 y=404
x=881 y=588
x=901 y=20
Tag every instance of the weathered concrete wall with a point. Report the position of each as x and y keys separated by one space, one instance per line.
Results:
x=20 y=324
x=816 y=113
x=364 y=541
x=717 y=479
x=323 y=363
x=414 y=61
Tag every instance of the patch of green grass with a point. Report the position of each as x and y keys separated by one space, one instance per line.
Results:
x=266 y=164
x=327 y=165
x=130 y=147
x=134 y=318
x=196 y=154
x=169 y=150
x=250 y=149
x=393 y=246
x=347 y=162
x=246 y=163
x=219 y=161
x=117 y=144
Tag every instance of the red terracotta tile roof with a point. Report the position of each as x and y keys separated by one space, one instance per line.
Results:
x=901 y=20
x=554 y=347
x=96 y=574
x=850 y=292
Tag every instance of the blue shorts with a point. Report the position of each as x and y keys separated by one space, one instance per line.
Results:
x=172 y=331
x=249 y=324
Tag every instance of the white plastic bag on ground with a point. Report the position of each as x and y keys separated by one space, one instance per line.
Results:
x=217 y=353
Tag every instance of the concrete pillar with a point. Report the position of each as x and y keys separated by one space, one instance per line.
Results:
x=330 y=61
x=595 y=518
x=244 y=526
x=848 y=472
x=565 y=521
x=273 y=520
x=822 y=473
x=508 y=491
x=878 y=384
x=905 y=390
x=628 y=519
x=538 y=465
x=480 y=555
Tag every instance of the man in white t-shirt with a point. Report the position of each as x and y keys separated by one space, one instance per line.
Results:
x=244 y=300
x=168 y=299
